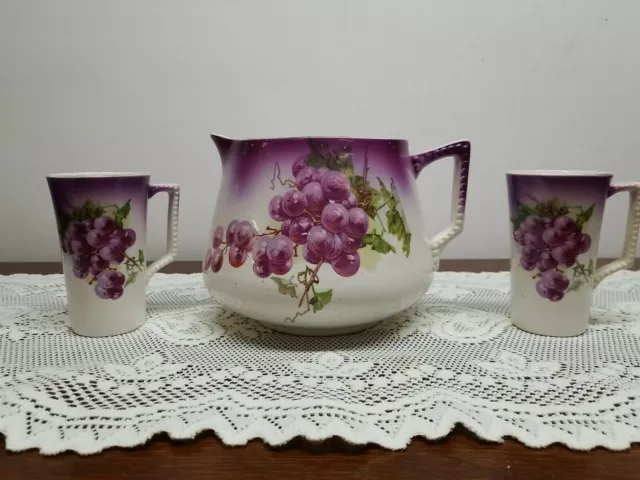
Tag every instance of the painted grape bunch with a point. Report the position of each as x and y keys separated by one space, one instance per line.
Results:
x=97 y=241
x=551 y=240
x=325 y=216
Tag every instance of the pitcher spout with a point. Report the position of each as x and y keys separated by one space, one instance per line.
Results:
x=223 y=144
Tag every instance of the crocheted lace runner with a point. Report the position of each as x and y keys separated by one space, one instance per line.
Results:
x=452 y=358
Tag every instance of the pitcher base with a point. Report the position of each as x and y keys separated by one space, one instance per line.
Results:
x=319 y=332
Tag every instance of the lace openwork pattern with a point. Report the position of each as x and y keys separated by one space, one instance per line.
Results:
x=452 y=358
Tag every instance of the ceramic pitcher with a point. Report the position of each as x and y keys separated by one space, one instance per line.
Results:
x=324 y=236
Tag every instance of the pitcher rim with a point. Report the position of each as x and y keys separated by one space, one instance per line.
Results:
x=311 y=137
x=78 y=175
x=559 y=173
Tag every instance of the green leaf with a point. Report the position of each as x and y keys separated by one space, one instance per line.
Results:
x=396 y=226
x=122 y=213
x=320 y=300
x=316 y=157
x=378 y=244
x=131 y=278
x=87 y=206
x=342 y=161
x=316 y=160
x=98 y=212
x=84 y=211
x=584 y=216
x=386 y=197
x=581 y=275
x=140 y=257
x=285 y=287
x=63 y=220
x=348 y=168
x=522 y=212
x=124 y=210
x=358 y=183
x=406 y=245
x=320 y=157
x=370 y=210
x=575 y=286
x=550 y=209
x=366 y=195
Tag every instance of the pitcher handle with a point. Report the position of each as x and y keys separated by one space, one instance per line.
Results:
x=172 y=226
x=628 y=256
x=461 y=152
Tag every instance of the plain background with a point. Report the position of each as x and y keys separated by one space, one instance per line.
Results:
x=139 y=85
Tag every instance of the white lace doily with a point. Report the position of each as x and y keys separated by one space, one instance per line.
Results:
x=453 y=358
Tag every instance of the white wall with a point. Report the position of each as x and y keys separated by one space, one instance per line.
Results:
x=139 y=85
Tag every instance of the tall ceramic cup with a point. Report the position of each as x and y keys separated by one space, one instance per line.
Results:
x=102 y=223
x=556 y=218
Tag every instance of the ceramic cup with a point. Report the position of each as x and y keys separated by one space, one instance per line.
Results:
x=102 y=223
x=556 y=218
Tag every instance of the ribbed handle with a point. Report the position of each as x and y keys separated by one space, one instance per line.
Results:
x=172 y=226
x=461 y=153
x=628 y=256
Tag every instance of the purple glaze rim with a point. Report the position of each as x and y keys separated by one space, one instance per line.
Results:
x=310 y=137
x=559 y=173
x=225 y=144
x=97 y=175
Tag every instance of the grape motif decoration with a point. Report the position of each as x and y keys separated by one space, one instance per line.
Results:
x=97 y=241
x=551 y=238
x=326 y=215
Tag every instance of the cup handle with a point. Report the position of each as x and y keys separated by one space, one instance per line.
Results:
x=172 y=226
x=628 y=256
x=461 y=152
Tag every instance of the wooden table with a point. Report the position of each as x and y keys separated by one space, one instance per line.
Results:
x=459 y=456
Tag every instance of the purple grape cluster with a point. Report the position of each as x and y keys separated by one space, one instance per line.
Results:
x=321 y=215
x=548 y=244
x=238 y=240
x=97 y=247
x=110 y=284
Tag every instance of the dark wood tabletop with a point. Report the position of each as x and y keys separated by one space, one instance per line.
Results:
x=459 y=456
